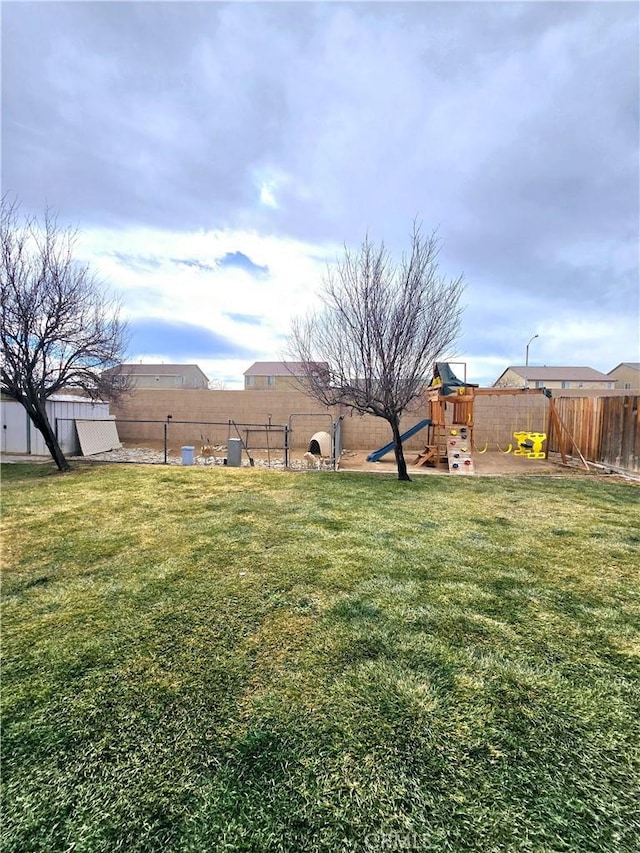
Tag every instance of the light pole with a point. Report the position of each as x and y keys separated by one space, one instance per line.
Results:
x=526 y=363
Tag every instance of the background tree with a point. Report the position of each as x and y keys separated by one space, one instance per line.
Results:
x=59 y=330
x=382 y=326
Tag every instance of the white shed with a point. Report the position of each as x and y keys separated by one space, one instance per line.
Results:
x=20 y=436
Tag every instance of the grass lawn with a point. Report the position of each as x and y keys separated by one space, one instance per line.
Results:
x=242 y=660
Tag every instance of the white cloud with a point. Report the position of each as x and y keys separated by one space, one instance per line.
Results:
x=176 y=276
x=267 y=194
x=281 y=131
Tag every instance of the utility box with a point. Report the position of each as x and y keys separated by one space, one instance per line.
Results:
x=187 y=454
x=234 y=452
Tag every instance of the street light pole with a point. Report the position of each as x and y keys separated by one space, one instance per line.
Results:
x=526 y=363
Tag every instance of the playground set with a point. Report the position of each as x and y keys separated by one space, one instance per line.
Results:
x=450 y=425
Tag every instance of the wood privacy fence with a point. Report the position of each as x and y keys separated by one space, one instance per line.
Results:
x=606 y=430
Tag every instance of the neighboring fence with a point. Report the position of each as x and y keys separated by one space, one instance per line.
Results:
x=605 y=429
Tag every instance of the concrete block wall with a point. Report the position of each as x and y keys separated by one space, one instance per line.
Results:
x=495 y=418
x=142 y=414
x=202 y=409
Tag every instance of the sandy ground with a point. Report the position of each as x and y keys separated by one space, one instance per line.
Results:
x=488 y=463
x=484 y=464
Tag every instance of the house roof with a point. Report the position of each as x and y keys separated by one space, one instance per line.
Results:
x=278 y=368
x=570 y=374
x=634 y=365
x=155 y=369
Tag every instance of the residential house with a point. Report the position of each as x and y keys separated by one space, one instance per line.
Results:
x=553 y=377
x=626 y=376
x=275 y=375
x=160 y=376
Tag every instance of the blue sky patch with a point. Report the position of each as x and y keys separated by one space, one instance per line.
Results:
x=243 y=262
x=180 y=342
x=137 y=263
x=247 y=319
x=194 y=264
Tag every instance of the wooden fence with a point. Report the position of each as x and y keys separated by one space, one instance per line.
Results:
x=605 y=430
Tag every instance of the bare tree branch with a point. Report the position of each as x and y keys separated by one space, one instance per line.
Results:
x=59 y=329
x=372 y=345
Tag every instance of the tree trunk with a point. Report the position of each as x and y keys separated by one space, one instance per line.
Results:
x=38 y=415
x=399 y=450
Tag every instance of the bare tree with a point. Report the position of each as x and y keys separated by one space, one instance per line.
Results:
x=59 y=330
x=373 y=344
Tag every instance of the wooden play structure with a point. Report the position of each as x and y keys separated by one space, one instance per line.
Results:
x=450 y=440
x=450 y=424
x=450 y=436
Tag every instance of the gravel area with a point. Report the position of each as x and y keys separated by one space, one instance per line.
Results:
x=148 y=456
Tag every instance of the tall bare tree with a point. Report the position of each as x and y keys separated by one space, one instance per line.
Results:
x=372 y=345
x=59 y=330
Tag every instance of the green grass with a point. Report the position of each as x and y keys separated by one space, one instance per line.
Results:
x=237 y=660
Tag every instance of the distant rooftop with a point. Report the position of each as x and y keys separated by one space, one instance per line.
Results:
x=169 y=369
x=634 y=365
x=572 y=374
x=278 y=368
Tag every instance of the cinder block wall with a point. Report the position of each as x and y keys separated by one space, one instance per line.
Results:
x=496 y=418
x=141 y=417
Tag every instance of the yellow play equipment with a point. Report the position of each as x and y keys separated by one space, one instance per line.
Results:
x=530 y=444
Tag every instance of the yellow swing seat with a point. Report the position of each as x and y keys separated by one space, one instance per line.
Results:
x=530 y=444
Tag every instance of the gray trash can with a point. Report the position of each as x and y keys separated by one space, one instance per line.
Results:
x=234 y=452
x=187 y=454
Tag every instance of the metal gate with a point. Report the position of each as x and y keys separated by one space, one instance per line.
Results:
x=300 y=428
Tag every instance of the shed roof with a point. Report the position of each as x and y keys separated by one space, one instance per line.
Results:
x=75 y=398
x=61 y=398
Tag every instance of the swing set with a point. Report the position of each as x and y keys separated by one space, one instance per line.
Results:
x=451 y=439
x=528 y=442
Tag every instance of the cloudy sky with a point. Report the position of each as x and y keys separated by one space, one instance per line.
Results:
x=217 y=156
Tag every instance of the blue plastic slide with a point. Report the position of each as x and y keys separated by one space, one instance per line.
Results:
x=378 y=454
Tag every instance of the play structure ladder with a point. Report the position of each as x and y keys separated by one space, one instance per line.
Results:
x=436 y=449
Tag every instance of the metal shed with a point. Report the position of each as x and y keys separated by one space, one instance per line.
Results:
x=20 y=436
